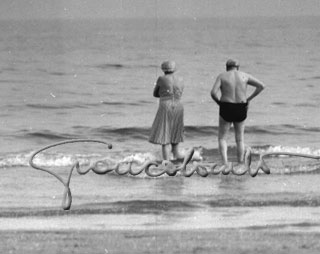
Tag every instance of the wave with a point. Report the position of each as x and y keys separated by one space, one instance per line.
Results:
x=162 y=206
x=306 y=105
x=131 y=135
x=12 y=81
x=47 y=134
x=130 y=132
x=289 y=149
x=309 y=78
x=123 y=66
x=58 y=159
x=123 y=207
x=261 y=201
x=54 y=73
x=58 y=73
x=195 y=132
x=82 y=105
x=53 y=106
x=278 y=164
x=110 y=65
x=135 y=138
x=120 y=103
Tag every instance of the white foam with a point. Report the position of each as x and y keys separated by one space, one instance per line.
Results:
x=140 y=157
x=289 y=149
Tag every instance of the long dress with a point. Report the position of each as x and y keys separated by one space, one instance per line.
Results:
x=168 y=125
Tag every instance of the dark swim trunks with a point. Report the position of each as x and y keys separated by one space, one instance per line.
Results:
x=233 y=112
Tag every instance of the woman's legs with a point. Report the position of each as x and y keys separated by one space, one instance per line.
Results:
x=177 y=154
x=166 y=149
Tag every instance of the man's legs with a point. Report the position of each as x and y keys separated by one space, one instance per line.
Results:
x=223 y=146
x=239 y=136
x=166 y=150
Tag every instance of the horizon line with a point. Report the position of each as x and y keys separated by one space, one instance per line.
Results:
x=159 y=18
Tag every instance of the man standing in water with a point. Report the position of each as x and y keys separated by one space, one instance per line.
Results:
x=233 y=105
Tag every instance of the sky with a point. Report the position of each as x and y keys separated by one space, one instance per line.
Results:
x=91 y=9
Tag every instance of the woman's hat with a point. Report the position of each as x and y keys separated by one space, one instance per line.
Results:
x=168 y=66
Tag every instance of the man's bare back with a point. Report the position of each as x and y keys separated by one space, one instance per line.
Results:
x=233 y=87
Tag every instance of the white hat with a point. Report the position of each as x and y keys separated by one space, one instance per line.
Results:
x=168 y=66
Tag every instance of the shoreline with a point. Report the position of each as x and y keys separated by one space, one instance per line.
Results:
x=282 y=218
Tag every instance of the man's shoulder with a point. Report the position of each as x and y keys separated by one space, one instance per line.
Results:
x=244 y=76
x=243 y=73
x=223 y=74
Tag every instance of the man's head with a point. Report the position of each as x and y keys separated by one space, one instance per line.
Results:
x=168 y=66
x=232 y=64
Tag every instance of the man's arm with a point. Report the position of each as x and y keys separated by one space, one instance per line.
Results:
x=215 y=90
x=257 y=84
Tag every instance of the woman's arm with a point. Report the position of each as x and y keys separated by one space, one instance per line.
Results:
x=156 y=89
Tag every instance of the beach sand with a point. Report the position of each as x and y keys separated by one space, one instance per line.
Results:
x=160 y=241
x=164 y=215
x=220 y=230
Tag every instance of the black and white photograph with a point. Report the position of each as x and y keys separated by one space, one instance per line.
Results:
x=160 y=126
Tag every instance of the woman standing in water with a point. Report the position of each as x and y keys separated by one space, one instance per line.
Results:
x=168 y=126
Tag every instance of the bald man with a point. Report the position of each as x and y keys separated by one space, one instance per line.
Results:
x=233 y=104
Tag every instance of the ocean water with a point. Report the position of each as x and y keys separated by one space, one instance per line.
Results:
x=93 y=79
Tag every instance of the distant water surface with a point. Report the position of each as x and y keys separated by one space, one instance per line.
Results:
x=94 y=79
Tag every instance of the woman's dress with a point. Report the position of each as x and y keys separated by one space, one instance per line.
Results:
x=168 y=125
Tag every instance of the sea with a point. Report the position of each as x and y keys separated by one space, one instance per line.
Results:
x=93 y=79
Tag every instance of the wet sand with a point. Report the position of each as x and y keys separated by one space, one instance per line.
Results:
x=166 y=215
x=224 y=230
